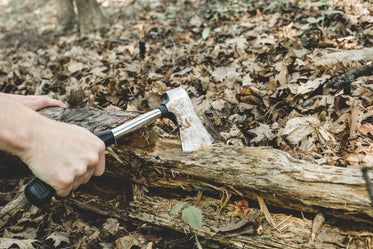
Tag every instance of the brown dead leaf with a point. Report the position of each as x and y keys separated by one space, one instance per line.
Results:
x=263 y=134
x=272 y=84
x=345 y=56
x=264 y=210
x=227 y=75
x=127 y=242
x=28 y=233
x=318 y=221
x=366 y=129
x=6 y=243
x=311 y=85
x=298 y=128
x=282 y=77
x=358 y=114
x=111 y=226
x=241 y=209
x=184 y=36
x=58 y=238
x=266 y=40
x=75 y=66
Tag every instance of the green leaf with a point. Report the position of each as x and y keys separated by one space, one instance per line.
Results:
x=311 y=20
x=218 y=30
x=193 y=217
x=306 y=26
x=319 y=4
x=178 y=208
x=321 y=18
x=205 y=33
x=331 y=12
x=199 y=187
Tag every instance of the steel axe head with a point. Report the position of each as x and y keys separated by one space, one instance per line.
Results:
x=180 y=109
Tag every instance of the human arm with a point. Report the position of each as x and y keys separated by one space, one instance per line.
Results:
x=62 y=155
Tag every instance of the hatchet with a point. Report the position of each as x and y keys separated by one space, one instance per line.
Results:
x=176 y=105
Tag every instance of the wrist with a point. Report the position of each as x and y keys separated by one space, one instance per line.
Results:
x=26 y=137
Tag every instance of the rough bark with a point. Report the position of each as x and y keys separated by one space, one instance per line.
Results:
x=90 y=15
x=159 y=176
x=65 y=15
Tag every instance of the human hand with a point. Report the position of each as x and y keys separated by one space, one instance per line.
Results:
x=64 y=155
x=36 y=102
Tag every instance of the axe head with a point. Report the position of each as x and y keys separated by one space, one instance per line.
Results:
x=180 y=109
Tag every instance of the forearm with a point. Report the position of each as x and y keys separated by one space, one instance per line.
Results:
x=17 y=123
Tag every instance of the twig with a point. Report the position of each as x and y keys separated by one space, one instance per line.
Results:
x=12 y=208
x=344 y=81
x=267 y=214
x=282 y=222
x=368 y=182
x=224 y=204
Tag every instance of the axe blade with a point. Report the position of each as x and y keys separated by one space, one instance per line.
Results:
x=192 y=132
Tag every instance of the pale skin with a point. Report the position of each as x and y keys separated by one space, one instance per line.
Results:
x=62 y=155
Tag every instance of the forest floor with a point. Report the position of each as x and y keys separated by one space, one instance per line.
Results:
x=294 y=75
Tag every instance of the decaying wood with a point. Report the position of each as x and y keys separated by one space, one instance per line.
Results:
x=13 y=208
x=157 y=167
x=217 y=229
x=344 y=81
x=280 y=179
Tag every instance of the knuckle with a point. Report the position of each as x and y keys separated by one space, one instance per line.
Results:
x=65 y=181
x=80 y=170
x=94 y=158
x=63 y=187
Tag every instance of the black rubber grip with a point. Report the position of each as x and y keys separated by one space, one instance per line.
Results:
x=107 y=137
x=39 y=193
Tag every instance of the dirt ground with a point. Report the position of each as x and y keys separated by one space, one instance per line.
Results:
x=261 y=73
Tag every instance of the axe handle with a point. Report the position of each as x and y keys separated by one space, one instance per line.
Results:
x=39 y=193
x=138 y=122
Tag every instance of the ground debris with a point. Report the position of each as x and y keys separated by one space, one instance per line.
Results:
x=294 y=75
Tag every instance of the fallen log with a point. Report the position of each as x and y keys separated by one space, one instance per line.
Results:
x=152 y=162
x=219 y=230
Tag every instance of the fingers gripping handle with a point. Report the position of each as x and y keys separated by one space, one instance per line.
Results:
x=39 y=193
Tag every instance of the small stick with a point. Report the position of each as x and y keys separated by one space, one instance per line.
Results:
x=368 y=182
x=344 y=81
x=12 y=208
